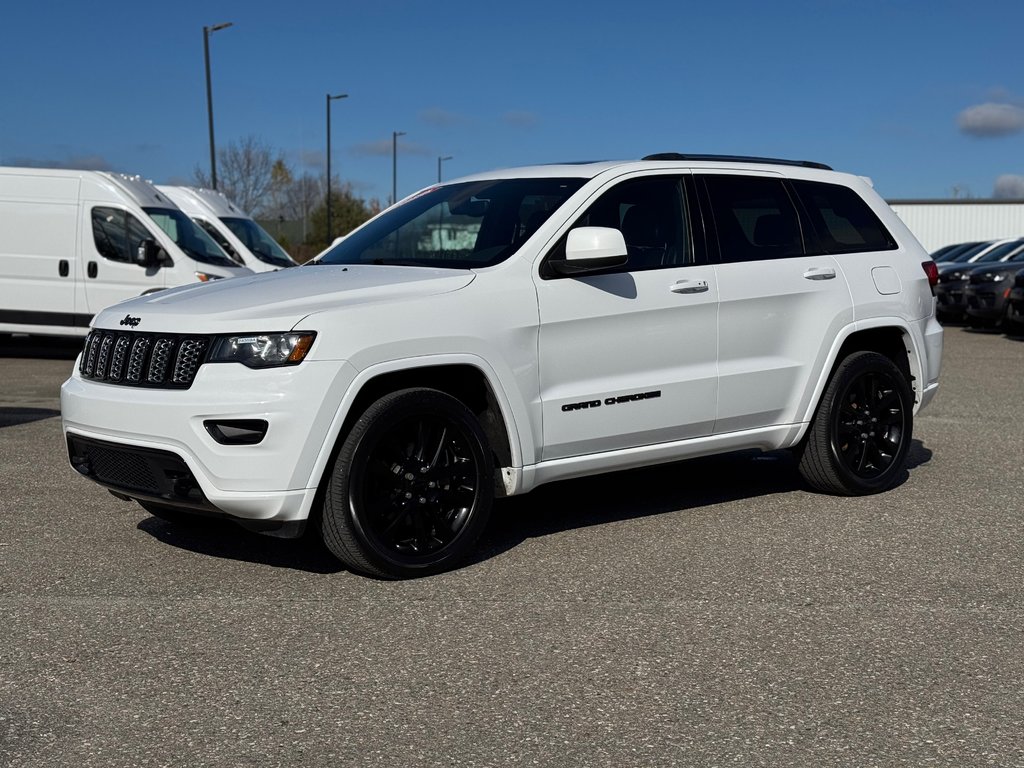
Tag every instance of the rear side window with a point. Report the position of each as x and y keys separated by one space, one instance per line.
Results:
x=754 y=217
x=117 y=234
x=842 y=221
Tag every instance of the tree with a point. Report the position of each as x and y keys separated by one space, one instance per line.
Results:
x=246 y=174
x=347 y=213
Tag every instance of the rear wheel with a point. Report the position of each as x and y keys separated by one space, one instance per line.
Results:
x=412 y=487
x=859 y=438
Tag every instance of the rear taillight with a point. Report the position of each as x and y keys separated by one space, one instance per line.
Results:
x=932 y=270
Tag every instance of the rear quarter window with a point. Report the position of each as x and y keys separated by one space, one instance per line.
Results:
x=842 y=221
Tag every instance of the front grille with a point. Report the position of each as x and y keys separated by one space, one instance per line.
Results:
x=164 y=360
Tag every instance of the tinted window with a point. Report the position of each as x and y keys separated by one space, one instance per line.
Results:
x=117 y=234
x=650 y=214
x=754 y=218
x=188 y=236
x=843 y=222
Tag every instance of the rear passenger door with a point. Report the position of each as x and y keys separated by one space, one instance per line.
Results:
x=779 y=308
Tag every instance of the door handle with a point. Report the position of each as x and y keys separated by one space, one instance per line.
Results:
x=690 y=286
x=92 y=270
x=63 y=268
x=820 y=273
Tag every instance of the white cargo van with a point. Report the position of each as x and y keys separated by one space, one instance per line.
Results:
x=74 y=242
x=233 y=229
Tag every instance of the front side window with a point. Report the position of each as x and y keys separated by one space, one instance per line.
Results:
x=754 y=217
x=188 y=236
x=117 y=234
x=843 y=222
x=650 y=213
x=457 y=226
x=256 y=239
x=222 y=241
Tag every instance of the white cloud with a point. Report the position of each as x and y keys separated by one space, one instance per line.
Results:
x=441 y=117
x=1009 y=185
x=991 y=119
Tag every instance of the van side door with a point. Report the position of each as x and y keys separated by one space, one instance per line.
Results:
x=110 y=240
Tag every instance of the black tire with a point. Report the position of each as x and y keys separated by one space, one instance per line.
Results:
x=412 y=487
x=858 y=440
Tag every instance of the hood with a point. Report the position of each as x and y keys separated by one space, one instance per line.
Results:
x=276 y=301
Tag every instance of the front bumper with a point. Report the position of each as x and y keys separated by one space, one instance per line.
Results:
x=950 y=300
x=985 y=302
x=269 y=481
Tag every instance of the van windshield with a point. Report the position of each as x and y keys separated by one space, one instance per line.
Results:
x=456 y=226
x=189 y=237
x=256 y=239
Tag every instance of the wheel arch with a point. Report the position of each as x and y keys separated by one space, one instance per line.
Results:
x=466 y=378
x=890 y=337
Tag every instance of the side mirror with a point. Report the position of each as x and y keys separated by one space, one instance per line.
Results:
x=149 y=254
x=591 y=249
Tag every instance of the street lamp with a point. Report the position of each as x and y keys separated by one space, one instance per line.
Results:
x=329 y=100
x=207 y=31
x=439 y=161
x=394 y=165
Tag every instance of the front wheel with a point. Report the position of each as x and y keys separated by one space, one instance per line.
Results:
x=412 y=487
x=858 y=441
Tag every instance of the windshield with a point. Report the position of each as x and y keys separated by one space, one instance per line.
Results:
x=256 y=239
x=189 y=237
x=1000 y=251
x=965 y=256
x=457 y=226
x=222 y=241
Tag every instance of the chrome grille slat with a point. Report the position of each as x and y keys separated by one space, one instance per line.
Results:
x=130 y=358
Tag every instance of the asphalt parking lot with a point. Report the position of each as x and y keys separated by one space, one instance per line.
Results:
x=710 y=613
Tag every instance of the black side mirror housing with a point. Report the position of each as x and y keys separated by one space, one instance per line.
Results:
x=150 y=254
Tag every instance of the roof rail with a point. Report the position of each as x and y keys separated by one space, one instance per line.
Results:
x=676 y=156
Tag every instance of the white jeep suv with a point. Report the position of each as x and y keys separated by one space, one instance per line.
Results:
x=512 y=328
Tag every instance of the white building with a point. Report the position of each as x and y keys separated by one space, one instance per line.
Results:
x=942 y=222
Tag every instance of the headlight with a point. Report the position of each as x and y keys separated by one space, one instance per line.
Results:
x=263 y=350
x=204 y=277
x=998 y=277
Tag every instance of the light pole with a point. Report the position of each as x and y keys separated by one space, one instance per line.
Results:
x=207 y=31
x=439 y=161
x=394 y=165
x=329 y=100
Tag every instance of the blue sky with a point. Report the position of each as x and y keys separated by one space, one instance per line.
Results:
x=924 y=97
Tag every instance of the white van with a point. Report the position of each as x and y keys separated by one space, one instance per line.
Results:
x=233 y=229
x=74 y=242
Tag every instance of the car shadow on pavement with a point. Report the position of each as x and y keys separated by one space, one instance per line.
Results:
x=12 y=417
x=224 y=539
x=633 y=494
x=551 y=509
x=40 y=347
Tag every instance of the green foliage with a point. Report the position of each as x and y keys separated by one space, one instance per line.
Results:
x=347 y=213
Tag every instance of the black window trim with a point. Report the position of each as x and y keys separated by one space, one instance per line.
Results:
x=696 y=240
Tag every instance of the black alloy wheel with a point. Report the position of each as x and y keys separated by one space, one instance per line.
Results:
x=412 y=486
x=859 y=438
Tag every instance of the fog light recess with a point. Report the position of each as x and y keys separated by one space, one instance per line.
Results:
x=236 y=431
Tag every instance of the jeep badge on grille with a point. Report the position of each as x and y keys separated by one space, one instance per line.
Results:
x=130 y=321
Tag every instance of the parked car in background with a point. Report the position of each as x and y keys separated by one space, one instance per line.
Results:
x=74 y=242
x=987 y=290
x=1013 y=323
x=234 y=230
x=950 y=252
x=953 y=276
